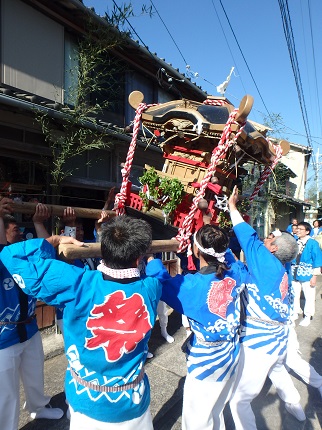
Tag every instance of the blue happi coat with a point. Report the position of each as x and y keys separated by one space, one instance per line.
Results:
x=212 y=306
x=10 y=311
x=107 y=325
x=266 y=298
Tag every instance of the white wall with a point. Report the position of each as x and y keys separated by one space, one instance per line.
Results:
x=32 y=51
x=296 y=161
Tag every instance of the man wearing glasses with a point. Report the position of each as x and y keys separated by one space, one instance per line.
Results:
x=307 y=266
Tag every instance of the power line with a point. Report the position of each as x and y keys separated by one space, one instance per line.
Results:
x=196 y=74
x=185 y=61
x=224 y=33
x=241 y=51
x=133 y=29
x=314 y=64
x=147 y=48
x=288 y=32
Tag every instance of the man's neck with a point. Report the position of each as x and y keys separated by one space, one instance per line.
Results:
x=304 y=239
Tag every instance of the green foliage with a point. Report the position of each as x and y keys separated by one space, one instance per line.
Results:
x=93 y=73
x=243 y=206
x=276 y=123
x=70 y=141
x=280 y=176
x=311 y=194
x=224 y=221
x=167 y=192
x=151 y=179
x=173 y=189
x=118 y=16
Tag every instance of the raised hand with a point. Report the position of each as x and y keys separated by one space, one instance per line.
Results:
x=233 y=199
x=41 y=214
x=69 y=217
x=5 y=206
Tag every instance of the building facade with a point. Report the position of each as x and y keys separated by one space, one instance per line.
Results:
x=282 y=197
x=39 y=57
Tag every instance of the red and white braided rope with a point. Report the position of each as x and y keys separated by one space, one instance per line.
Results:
x=218 y=153
x=214 y=102
x=266 y=173
x=120 y=198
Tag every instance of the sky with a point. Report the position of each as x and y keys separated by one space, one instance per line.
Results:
x=212 y=36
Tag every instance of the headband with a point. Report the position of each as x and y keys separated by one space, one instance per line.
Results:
x=276 y=233
x=209 y=251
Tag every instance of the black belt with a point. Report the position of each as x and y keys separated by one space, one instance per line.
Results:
x=26 y=321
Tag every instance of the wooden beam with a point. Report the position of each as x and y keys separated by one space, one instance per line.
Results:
x=29 y=208
x=93 y=250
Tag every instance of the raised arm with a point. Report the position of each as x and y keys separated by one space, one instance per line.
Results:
x=69 y=220
x=5 y=209
x=57 y=240
x=104 y=218
x=260 y=261
x=34 y=267
x=41 y=214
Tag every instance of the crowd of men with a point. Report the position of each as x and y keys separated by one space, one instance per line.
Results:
x=241 y=319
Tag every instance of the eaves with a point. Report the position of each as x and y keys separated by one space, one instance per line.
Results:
x=24 y=105
x=289 y=199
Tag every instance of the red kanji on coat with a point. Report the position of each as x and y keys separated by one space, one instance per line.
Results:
x=118 y=324
x=219 y=296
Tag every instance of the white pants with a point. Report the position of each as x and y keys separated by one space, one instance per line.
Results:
x=204 y=402
x=309 y=294
x=185 y=322
x=162 y=312
x=253 y=369
x=80 y=421
x=284 y=385
x=301 y=367
x=24 y=360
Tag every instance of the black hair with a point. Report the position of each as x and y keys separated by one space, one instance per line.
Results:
x=9 y=219
x=317 y=220
x=211 y=236
x=124 y=240
x=306 y=225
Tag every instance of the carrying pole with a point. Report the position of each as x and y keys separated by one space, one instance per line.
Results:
x=56 y=210
x=93 y=250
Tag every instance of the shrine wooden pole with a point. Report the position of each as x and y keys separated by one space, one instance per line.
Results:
x=29 y=208
x=93 y=250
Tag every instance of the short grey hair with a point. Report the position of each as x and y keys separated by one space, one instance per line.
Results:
x=287 y=247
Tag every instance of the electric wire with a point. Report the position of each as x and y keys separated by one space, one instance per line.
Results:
x=195 y=75
x=172 y=86
x=242 y=54
x=134 y=31
x=229 y=48
x=295 y=133
x=288 y=32
x=304 y=26
x=314 y=65
x=179 y=50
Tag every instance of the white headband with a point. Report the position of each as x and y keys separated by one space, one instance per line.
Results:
x=210 y=251
x=277 y=233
